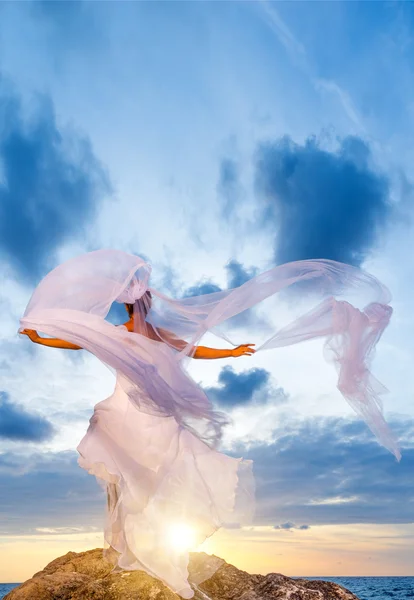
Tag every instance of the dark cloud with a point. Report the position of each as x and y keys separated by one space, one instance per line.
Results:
x=314 y=461
x=237 y=274
x=169 y=282
x=289 y=526
x=201 y=288
x=325 y=471
x=321 y=204
x=236 y=389
x=19 y=425
x=50 y=188
x=47 y=490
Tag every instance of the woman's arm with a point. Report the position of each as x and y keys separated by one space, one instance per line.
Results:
x=51 y=342
x=200 y=351
x=203 y=351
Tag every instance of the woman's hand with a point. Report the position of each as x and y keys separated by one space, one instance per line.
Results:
x=31 y=334
x=243 y=350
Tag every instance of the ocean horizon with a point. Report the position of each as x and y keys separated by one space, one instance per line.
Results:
x=365 y=588
x=375 y=587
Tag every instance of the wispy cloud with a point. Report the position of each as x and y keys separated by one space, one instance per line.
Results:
x=299 y=57
x=64 y=530
x=334 y=500
x=293 y=46
x=345 y=100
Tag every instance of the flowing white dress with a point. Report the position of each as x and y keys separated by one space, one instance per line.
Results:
x=160 y=478
x=153 y=443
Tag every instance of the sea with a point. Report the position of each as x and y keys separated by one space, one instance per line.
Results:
x=376 y=588
x=365 y=588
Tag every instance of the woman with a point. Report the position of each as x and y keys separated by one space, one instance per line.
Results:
x=153 y=441
x=126 y=500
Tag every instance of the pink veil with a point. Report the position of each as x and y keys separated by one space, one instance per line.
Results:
x=351 y=312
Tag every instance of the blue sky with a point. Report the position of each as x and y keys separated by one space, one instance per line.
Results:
x=216 y=139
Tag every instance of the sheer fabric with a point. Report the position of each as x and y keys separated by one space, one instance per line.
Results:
x=155 y=438
x=163 y=481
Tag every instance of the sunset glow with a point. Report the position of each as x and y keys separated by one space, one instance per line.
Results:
x=181 y=537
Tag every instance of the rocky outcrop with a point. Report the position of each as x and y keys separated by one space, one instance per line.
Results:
x=88 y=576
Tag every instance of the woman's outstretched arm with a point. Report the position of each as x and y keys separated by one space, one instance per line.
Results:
x=51 y=342
x=202 y=351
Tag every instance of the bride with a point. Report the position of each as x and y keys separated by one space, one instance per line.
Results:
x=153 y=443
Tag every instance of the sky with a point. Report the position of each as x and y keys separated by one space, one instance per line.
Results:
x=215 y=139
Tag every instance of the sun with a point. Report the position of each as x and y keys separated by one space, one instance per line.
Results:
x=181 y=537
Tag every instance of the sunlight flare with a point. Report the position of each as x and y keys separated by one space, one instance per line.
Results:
x=181 y=537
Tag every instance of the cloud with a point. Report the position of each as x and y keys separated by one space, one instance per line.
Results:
x=50 y=187
x=168 y=280
x=293 y=46
x=237 y=389
x=330 y=471
x=72 y=499
x=201 y=288
x=291 y=526
x=62 y=530
x=237 y=274
x=19 y=425
x=300 y=58
x=300 y=477
x=321 y=204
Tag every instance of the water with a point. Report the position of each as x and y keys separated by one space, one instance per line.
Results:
x=376 y=588
x=5 y=588
x=366 y=588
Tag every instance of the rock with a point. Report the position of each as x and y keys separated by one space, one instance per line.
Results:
x=229 y=583
x=88 y=576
